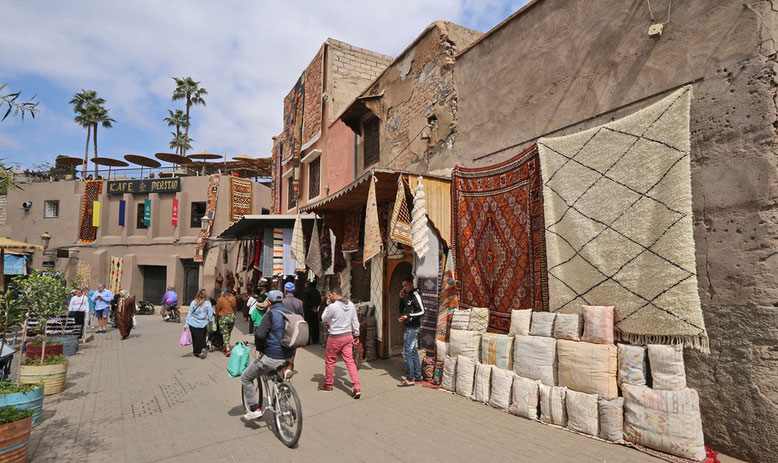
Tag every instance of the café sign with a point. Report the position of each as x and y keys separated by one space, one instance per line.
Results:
x=168 y=185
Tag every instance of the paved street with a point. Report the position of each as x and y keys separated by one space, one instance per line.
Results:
x=147 y=399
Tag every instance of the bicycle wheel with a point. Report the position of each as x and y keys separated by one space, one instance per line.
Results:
x=288 y=415
x=246 y=407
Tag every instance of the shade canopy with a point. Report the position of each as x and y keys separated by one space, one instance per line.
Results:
x=244 y=157
x=69 y=161
x=110 y=162
x=172 y=157
x=204 y=155
x=7 y=243
x=251 y=226
x=142 y=160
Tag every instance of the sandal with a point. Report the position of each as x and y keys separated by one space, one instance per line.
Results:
x=406 y=384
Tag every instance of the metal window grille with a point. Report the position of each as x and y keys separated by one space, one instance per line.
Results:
x=372 y=145
x=50 y=209
x=314 y=178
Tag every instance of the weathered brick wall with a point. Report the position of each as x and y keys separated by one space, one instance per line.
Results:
x=353 y=62
x=3 y=206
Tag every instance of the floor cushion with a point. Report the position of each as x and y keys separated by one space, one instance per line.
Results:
x=460 y=319
x=465 y=375
x=441 y=348
x=552 y=404
x=448 y=379
x=462 y=342
x=497 y=349
x=524 y=399
x=582 y=412
x=611 y=418
x=542 y=324
x=500 y=395
x=667 y=370
x=520 y=322
x=598 y=324
x=587 y=367
x=633 y=365
x=482 y=386
x=534 y=357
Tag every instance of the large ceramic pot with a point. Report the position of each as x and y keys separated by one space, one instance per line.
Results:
x=15 y=440
x=69 y=344
x=33 y=351
x=53 y=376
x=32 y=400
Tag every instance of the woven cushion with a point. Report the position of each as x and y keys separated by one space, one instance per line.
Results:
x=437 y=375
x=460 y=319
x=552 y=404
x=582 y=414
x=465 y=375
x=534 y=357
x=664 y=420
x=542 y=324
x=483 y=384
x=497 y=349
x=598 y=324
x=611 y=418
x=667 y=371
x=465 y=343
x=448 y=380
x=587 y=367
x=567 y=326
x=479 y=319
x=500 y=395
x=427 y=368
x=520 y=322
x=633 y=365
x=441 y=349
x=524 y=400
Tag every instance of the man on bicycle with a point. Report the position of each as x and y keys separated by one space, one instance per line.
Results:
x=169 y=302
x=267 y=337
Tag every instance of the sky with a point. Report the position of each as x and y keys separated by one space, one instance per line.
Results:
x=247 y=54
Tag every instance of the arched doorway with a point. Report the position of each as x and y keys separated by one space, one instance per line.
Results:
x=401 y=271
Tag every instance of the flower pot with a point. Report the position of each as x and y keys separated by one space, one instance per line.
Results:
x=32 y=400
x=15 y=440
x=53 y=376
x=34 y=351
x=69 y=344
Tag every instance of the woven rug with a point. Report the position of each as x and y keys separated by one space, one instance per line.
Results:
x=429 y=289
x=449 y=300
x=298 y=240
x=619 y=223
x=210 y=211
x=241 y=198
x=87 y=231
x=312 y=113
x=373 y=240
x=84 y=273
x=351 y=230
x=278 y=251
x=400 y=222
x=117 y=273
x=313 y=260
x=498 y=240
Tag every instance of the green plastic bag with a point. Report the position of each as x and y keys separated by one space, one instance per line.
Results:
x=212 y=326
x=239 y=360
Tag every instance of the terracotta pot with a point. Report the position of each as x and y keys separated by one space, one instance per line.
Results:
x=15 y=441
x=53 y=376
x=32 y=400
x=34 y=351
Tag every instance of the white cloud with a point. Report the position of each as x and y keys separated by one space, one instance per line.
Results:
x=248 y=54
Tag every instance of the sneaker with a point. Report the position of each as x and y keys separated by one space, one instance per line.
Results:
x=255 y=415
x=323 y=387
x=356 y=394
x=203 y=353
x=288 y=373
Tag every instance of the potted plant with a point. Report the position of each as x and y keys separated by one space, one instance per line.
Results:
x=11 y=314
x=15 y=428
x=34 y=348
x=26 y=396
x=52 y=371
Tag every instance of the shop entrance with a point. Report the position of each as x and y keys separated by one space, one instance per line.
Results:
x=154 y=280
x=191 y=281
x=401 y=271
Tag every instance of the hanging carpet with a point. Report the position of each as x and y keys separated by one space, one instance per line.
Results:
x=85 y=273
x=352 y=230
x=298 y=242
x=400 y=223
x=210 y=211
x=429 y=289
x=278 y=251
x=373 y=240
x=117 y=273
x=419 y=221
x=241 y=198
x=87 y=232
x=449 y=300
x=498 y=237
x=619 y=223
x=313 y=261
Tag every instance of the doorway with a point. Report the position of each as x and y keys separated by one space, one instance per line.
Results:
x=191 y=280
x=154 y=281
x=402 y=270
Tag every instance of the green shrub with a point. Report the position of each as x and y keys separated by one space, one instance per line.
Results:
x=52 y=360
x=7 y=387
x=13 y=414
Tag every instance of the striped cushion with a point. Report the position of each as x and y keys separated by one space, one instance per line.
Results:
x=460 y=319
x=497 y=349
x=552 y=404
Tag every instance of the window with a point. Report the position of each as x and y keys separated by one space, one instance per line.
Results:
x=290 y=202
x=50 y=209
x=139 y=224
x=198 y=211
x=372 y=146
x=314 y=178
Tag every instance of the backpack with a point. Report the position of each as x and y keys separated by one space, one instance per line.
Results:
x=295 y=330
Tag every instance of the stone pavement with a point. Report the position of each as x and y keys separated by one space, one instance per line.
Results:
x=147 y=399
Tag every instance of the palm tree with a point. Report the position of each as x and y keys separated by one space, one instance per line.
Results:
x=84 y=104
x=180 y=143
x=100 y=118
x=178 y=119
x=188 y=89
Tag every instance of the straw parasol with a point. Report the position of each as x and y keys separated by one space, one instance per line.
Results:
x=69 y=161
x=205 y=155
x=110 y=162
x=142 y=161
x=7 y=243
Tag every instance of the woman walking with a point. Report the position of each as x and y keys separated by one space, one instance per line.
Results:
x=79 y=305
x=200 y=313
x=125 y=312
x=225 y=313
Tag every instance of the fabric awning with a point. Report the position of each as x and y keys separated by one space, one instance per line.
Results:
x=250 y=226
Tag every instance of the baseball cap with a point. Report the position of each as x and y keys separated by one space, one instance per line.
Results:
x=289 y=286
x=275 y=296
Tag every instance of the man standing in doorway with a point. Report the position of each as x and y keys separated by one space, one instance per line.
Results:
x=291 y=302
x=102 y=299
x=411 y=310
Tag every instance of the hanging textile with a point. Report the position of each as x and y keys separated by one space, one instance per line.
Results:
x=210 y=211
x=377 y=291
x=419 y=221
x=122 y=211
x=619 y=223
x=84 y=273
x=117 y=273
x=289 y=264
x=429 y=290
x=87 y=231
x=312 y=102
x=314 y=253
x=174 y=214
x=449 y=300
x=326 y=248
x=351 y=229
x=330 y=270
x=429 y=265
x=298 y=242
x=393 y=250
x=256 y=263
x=268 y=254
x=373 y=240
x=241 y=198
x=400 y=224
x=96 y=214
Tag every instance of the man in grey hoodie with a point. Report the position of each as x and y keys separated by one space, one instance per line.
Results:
x=341 y=315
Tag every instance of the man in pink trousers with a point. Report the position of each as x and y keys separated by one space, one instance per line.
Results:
x=342 y=333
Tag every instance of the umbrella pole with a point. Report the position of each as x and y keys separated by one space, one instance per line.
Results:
x=2 y=266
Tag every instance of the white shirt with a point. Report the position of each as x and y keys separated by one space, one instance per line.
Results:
x=78 y=304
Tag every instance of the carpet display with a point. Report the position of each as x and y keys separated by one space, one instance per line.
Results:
x=400 y=223
x=373 y=239
x=210 y=211
x=313 y=260
x=278 y=251
x=312 y=104
x=241 y=198
x=498 y=237
x=619 y=223
x=87 y=232
x=419 y=221
x=449 y=300
x=85 y=273
x=298 y=241
x=430 y=294
x=352 y=229
x=117 y=272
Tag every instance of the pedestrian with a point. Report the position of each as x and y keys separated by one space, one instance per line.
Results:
x=267 y=338
x=169 y=302
x=291 y=302
x=77 y=308
x=92 y=314
x=258 y=305
x=411 y=310
x=343 y=333
x=312 y=301
x=225 y=316
x=125 y=313
x=102 y=299
x=197 y=318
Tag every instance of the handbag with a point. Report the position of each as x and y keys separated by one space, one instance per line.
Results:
x=186 y=338
x=212 y=326
x=239 y=360
x=356 y=350
x=134 y=321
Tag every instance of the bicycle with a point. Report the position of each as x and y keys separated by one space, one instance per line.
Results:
x=281 y=400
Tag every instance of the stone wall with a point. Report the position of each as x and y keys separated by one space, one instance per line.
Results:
x=561 y=66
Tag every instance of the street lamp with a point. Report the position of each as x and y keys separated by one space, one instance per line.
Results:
x=45 y=238
x=205 y=222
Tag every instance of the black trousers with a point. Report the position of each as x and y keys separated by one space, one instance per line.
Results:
x=312 y=318
x=198 y=339
x=79 y=316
